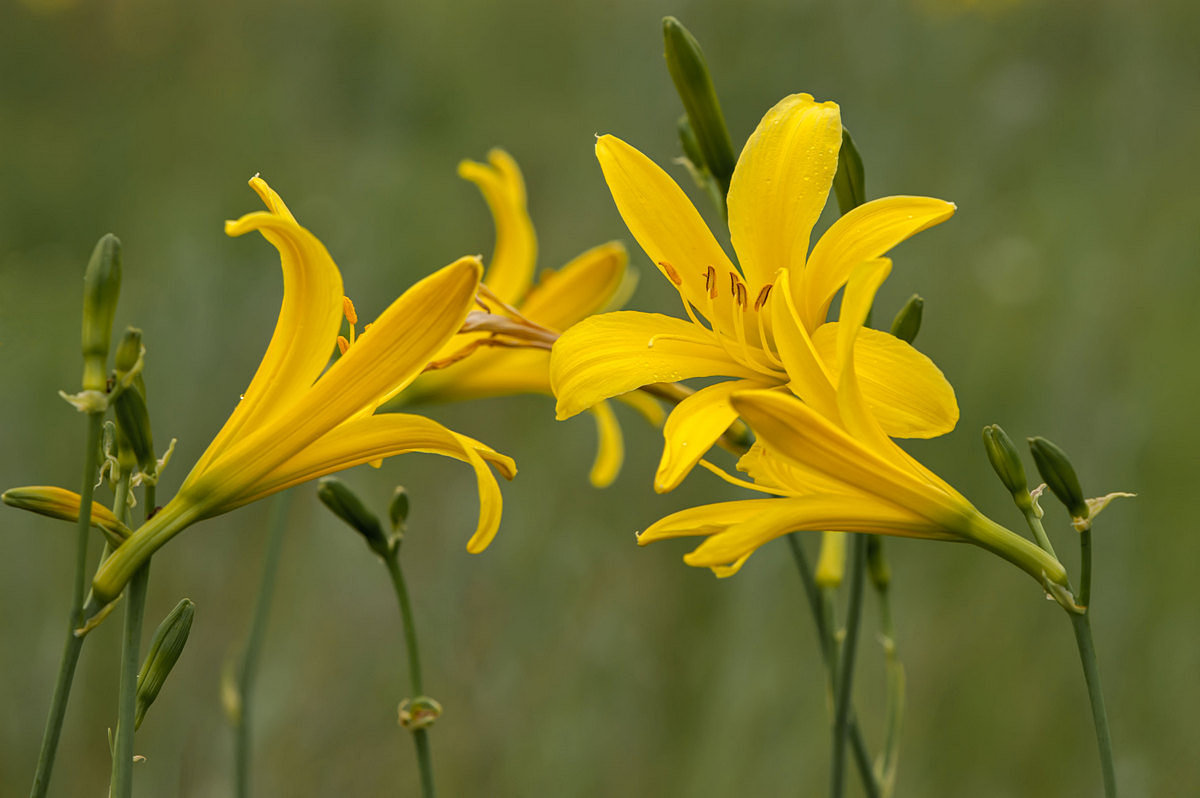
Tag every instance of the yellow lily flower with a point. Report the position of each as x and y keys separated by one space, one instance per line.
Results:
x=841 y=473
x=763 y=329
x=298 y=420
x=591 y=282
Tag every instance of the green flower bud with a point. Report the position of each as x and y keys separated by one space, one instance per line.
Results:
x=101 y=288
x=398 y=509
x=877 y=564
x=63 y=504
x=342 y=501
x=129 y=404
x=849 y=181
x=168 y=643
x=831 y=562
x=686 y=64
x=1005 y=459
x=907 y=323
x=1059 y=475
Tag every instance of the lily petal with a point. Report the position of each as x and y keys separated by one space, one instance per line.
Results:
x=781 y=183
x=611 y=354
x=866 y=232
x=908 y=395
x=582 y=287
x=510 y=271
x=309 y=319
x=707 y=519
x=610 y=449
x=665 y=223
x=487 y=372
x=693 y=427
x=810 y=379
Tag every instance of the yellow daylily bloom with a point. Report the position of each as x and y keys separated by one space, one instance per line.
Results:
x=299 y=420
x=761 y=325
x=593 y=281
x=841 y=473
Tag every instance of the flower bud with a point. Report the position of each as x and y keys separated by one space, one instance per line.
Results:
x=101 y=288
x=1059 y=475
x=398 y=509
x=690 y=144
x=168 y=643
x=133 y=424
x=831 y=562
x=877 y=565
x=686 y=64
x=64 y=504
x=342 y=501
x=419 y=713
x=1007 y=462
x=849 y=181
x=907 y=323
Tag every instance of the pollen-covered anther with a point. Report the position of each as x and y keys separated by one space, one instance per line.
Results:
x=742 y=295
x=342 y=344
x=348 y=309
x=672 y=274
x=710 y=282
x=762 y=297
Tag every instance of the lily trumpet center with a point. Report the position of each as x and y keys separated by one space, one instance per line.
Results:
x=740 y=325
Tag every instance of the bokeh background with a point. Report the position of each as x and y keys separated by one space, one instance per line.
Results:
x=1060 y=301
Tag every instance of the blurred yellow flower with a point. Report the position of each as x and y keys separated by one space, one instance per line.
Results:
x=593 y=281
x=298 y=420
x=841 y=473
x=765 y=321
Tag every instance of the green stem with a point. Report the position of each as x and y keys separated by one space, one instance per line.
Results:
x=1091 y=674
x=248 y=668
x=420 y=736
x=816 y=605
x=845 y=677
x=135 y=613
x=895 y=691
x=1085 y=570
x=73 y=644
x=1039 y=531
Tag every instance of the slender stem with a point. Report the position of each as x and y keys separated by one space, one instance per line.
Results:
x=1091 y=674
x=1085 y=569
x=421 y=735
x=73 y=644
x=1039 y=531
x=862 y=758
x=895 y=690
x=845 y=676
x=135 y=613
x=248 y=667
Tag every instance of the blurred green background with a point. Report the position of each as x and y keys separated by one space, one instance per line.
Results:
x=1060 y=301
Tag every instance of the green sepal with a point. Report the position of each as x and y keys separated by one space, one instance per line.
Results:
x=398 y=510
x=1006 y=461
x=907 y=322
x=1059 y=475
x=169 y=640
x=685 y=61
x=101 y=289
x=849 y=181
x=346 y=505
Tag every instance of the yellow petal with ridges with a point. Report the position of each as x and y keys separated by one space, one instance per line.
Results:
x=693 y=427
x=808 y=376
x=510 y=272
x=707 y=519
x=780 y=185
x=856 y=305
x=577 y=290
x=665 y=223
x=903 y=389
x=610 y=447
x=771 y=470
x=868 y=231
x=486 y=372
x=614 y=353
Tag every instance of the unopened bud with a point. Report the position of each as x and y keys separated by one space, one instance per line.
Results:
x=63 y=504
x=129 y=351
x=1003 y=455
x=398 y=509
x=343 y=502
x=877 y=565
x=129 y=404
x=688 y=70
x=831 y=562
x=419 y=713
x=101 y=288
x=690 y=144
x=849 y=181
x=168 y=643
x=1059 y=475
x=907 y=323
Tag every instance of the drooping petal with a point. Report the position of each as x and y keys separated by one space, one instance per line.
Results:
x=707 y=519
x=856 y=304
x=867 y=232
x=514 y=258
x=781 y=183
x=610 y=447
x=382 y=361
x=309 y=318
x=808 y=376
x=582 y=287
x=362 y=440
x=775 y=472
x=665 y=223
x=693 y=427
x=613 y=353
x=903 y=389
x=645 y=405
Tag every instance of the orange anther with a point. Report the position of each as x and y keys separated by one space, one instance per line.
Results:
x=762 y=297
x=672 y=275
x=741 y=294
x=710 y=282
x=343 y=344
x=348 y=309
